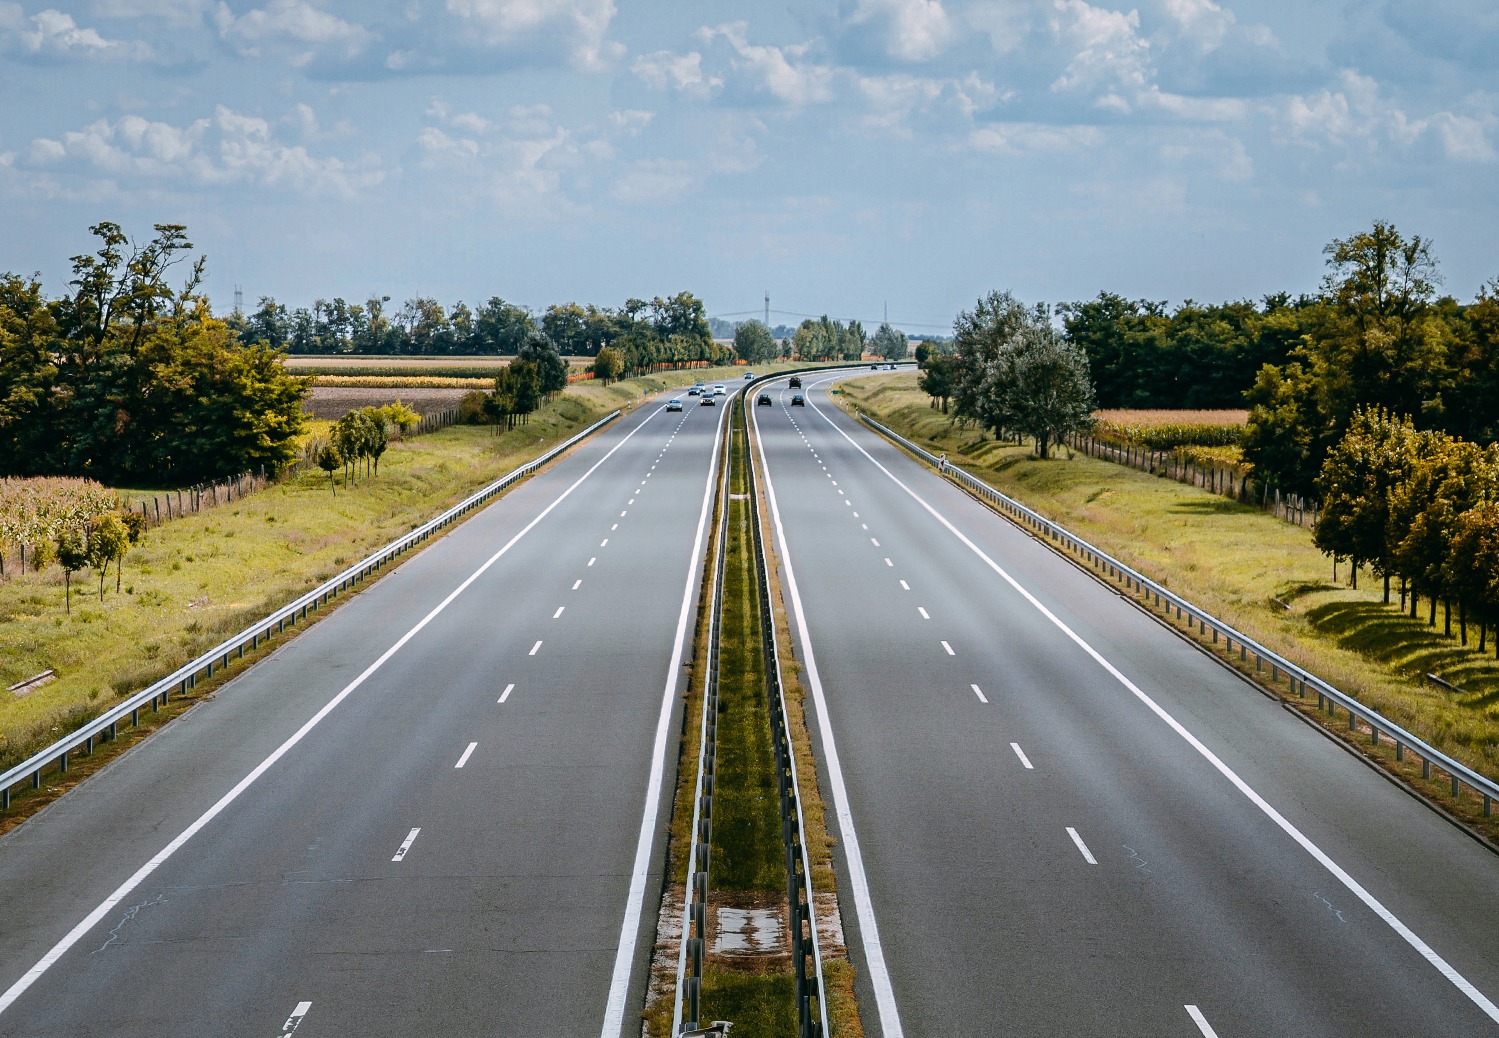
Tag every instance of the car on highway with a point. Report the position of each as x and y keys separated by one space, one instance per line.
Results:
x=796 y=382
x=749 y=374
x=708 y=400
x=764 y=400
x=674 y=405
x=719 y=390
x=695 y=391
x=798 y=401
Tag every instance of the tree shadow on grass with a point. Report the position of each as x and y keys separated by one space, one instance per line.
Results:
x=1384 y=634
x=1212 y=505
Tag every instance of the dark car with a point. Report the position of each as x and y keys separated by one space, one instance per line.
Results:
x=798 y=401
x=764 y=400
x=708 y=400
x=796 y=382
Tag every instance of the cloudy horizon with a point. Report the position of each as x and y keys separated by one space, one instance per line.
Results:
x=847 y=158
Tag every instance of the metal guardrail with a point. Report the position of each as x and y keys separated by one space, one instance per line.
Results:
x=1329 y=698
x=186 y=676
x=806 y=950
x=687 y=1005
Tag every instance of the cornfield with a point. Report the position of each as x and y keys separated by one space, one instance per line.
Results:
x=1168 y=430
x=388 y=381
x=36 y=510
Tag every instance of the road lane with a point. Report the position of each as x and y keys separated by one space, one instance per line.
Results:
x=523 y=819
x=987 y=759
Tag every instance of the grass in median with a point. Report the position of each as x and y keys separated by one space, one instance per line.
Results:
x=1238 y=563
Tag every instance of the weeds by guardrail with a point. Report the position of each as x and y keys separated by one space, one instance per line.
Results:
x=1207 y=627
x=186 y=677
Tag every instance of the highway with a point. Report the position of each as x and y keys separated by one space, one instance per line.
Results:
x=1056 y=817
x=439 y=810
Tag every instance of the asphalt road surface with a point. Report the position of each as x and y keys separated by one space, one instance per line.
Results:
x=1057 y=817
x=437 y=811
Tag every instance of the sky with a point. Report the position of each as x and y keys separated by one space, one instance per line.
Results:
x=848 y=157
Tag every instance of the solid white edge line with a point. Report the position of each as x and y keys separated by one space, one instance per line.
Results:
x=1201 y=1022
x=1021 y=754
x=1410 y=937
x=406 y=844
x=124 y=890
x=869 y=931
x=629 y=932
x=1081 y=846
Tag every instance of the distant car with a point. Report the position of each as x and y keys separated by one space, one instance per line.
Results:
x=796 y=382
x=695 y=391
x=708 y=400
x=719 y=390
x=749 y=374
x=798 y=401
x=674 y=405
x=874 y=367
x=764 y=400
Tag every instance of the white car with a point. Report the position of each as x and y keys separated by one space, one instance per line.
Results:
x=719 y=391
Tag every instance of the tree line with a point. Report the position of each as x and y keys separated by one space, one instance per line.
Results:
x=125 y=378
x=1420 y=505
x=422 y=326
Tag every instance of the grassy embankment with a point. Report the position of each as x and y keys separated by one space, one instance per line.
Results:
x=194 y=581
x=1246 y=567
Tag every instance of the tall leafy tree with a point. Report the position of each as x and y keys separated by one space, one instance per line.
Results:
x=1374 y=457
x=754 y=343
x=890 y=343
x=1037 y=386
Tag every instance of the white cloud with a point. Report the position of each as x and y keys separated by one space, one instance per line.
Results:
x=582 y=26
x=784 y=73
x=173 y=12
x=1007 y=23
x=911 y=30
x=1357 y=114
x=54 y=34
x=294 y=25
x=1023 y=138
x=684 y=73
x=225 y=149
x=1110 y=59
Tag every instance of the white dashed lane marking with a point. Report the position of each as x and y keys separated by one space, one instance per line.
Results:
x=466 y=755
x=406 y=844
x=1021 y=754
x=979 y=692
x=506 y=694
x=1081 y=846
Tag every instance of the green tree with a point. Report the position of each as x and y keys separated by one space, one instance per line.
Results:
x=890 y=343
x=1374 y=457
x=753 y=342
x=1037 y=386
x=72 y=556
x=550 y=369
x=107 y=542
x=1472 y=566
x=608 y=365
x=329 y=460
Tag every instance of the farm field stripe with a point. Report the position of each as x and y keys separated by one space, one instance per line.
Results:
x=73 y=936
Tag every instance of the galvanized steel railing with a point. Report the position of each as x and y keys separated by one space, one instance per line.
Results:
x=186 y=676
x=1329 y=698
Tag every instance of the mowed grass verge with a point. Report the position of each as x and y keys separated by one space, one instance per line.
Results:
x=196 y=580
x=1238 y=563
